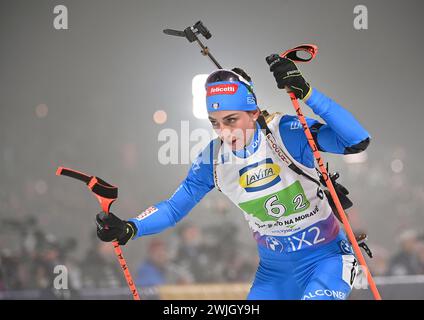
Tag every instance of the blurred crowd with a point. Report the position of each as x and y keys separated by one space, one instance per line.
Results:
x=407 y=260
x=192 y=255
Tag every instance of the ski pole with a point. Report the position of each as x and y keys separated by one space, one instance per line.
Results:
x=292 y=54
x=190 y=33
x=106 y=194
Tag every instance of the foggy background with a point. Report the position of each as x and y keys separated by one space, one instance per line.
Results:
x=85 y=98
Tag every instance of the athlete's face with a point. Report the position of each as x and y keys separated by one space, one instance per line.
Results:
x=235 y=128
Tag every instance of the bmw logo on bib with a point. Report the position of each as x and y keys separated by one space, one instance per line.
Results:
x=274 y=244
x=346 y=247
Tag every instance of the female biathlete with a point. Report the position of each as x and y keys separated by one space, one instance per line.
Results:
x=304 y=254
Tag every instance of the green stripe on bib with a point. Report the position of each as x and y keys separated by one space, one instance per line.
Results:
x=283 y=203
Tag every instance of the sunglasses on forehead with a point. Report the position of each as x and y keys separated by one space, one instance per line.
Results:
x=226 y=75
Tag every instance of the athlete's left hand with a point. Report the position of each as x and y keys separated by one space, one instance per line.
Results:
x=288 y=76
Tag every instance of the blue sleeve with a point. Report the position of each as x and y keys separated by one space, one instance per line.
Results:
x=195 y=186
x=341 y=133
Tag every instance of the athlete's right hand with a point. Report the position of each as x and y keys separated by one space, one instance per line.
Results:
x=111 y=228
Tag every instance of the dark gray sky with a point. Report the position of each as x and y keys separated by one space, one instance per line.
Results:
x=104 y=77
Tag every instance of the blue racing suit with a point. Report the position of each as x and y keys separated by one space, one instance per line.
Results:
x=323 y=271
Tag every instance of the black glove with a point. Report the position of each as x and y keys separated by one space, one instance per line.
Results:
x=287 y=75
x=111 y=228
